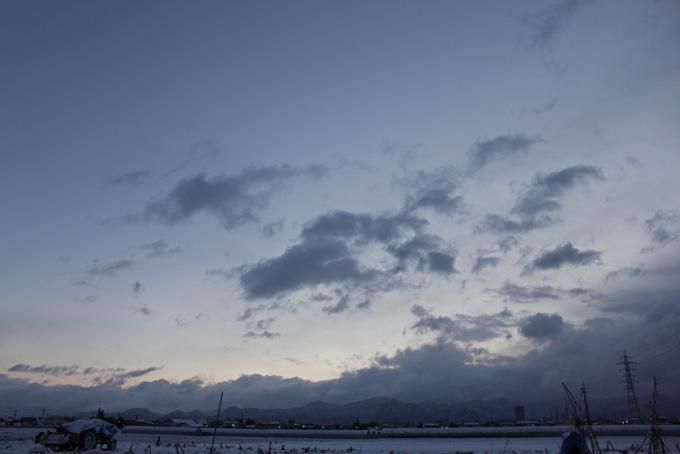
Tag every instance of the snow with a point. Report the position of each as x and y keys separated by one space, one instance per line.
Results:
x=20 y=441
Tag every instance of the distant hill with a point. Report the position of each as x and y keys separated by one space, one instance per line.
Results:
x=386 y=410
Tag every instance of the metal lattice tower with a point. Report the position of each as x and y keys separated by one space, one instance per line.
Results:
x=628 y=368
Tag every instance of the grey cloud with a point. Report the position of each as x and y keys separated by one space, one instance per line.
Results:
x=119 y=377
x=143 y=310
x=110 y=269
x=503 y=224
x=263 y=324
x=201 y=151
x=260 y=335
x=438 y=199
x=547 y=107
x=45 y=369
x=627 y=271
x=224 y=274
x=483 y=262
x=96 y=370
x=423 y=250
x=362 y=227
x=522 y=294
x=463 y=328
x=89 y=299
x=542 y=327
x=501 y=147
x=435 y=190
x=159 y=248
x=544 y=192
x=364 y=305
x=311 y=263
x=633 y=161
x=664 y=227
x=139 y=372
x=234 y=200
x=545 y=24
x=565 y=254
x=272 y=228
x=527 y=294
x=136 y=287
x=507 y=243
x=536 y=204
x=341 y=306
x=134 y=178
x=278 y=305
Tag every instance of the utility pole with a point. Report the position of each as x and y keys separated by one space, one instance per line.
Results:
x=586 y=406
x=217 y=422
x=628 y=368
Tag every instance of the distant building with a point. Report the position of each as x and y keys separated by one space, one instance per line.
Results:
x=519 y=413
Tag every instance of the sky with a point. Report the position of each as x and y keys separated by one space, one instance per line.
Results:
x=300 y=201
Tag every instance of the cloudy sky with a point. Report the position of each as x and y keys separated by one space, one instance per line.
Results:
x=297 y=201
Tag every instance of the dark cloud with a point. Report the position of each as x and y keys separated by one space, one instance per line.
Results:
x=137 y=287
x=45 y=369
x=440 y=262
x=110 y=269
x=119 y=377
x=541 y=327
x=483 y=262
x=135 y=178
x=234 y=200
x=538 y=202
x=308 y=264
x=664 y=227
x=159 y=248
x=533 y=376
x=545 y=24
x=112 y=376
x=329 y=253
x=565 y=254
x=645 y=317
x=652 y=288
x=501 y=147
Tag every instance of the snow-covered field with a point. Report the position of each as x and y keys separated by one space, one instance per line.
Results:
x=20 y=441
